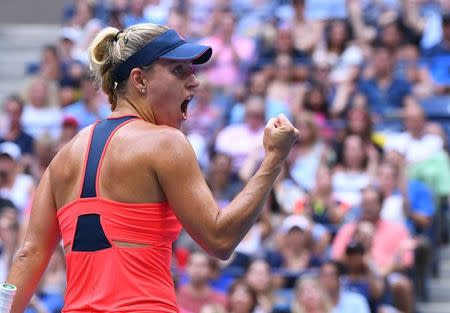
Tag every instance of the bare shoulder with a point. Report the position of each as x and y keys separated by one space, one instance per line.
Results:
x=66 y=163
x=162 y=143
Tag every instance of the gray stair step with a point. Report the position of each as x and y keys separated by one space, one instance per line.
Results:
x=19 y=46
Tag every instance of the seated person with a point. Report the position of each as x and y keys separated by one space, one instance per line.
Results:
x=390 y=258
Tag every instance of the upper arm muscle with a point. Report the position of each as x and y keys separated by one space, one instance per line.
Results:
x=185 y=188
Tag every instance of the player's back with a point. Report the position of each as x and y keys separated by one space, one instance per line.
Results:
x=116 y=226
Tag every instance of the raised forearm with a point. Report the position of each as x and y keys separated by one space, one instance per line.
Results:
x=234 y=221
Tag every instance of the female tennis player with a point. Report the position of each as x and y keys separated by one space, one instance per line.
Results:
x=120 y=191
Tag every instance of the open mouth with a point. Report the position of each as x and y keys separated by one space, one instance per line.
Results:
x=184 y=105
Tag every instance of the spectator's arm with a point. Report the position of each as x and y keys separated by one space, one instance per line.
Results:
x=341 y=241
x=376 y=284
x=364 y=33
x=412 y=17
x=309 y=40
x=341 y=99
x=373 y=162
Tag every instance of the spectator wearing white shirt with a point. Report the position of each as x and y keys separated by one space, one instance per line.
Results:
x=38 y=117
x=414 y=143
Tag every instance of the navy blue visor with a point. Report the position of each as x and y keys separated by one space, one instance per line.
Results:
x=168 y=46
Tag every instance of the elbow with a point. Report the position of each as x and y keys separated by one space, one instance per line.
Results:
x=27 y=251
x=221 y=248
x=223 y=255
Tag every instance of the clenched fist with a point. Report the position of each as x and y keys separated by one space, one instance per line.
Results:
x=279 y=135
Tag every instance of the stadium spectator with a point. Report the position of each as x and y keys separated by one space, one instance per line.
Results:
x=310 y=296
x=384 y=92
x=297 y=250
x=232 y=52
x=14 y=185
x=13 y=108
x=259 y=277
x=196 y=292
x=38 y=117
x=438 y=59
x=343 y=301
x=390 y=257
x=282 y=90
x=326 y=209
x=355 y=170
x=308 y=153
x=91 y=106
x=224 y=185
x=361 y=277
x=239 y=140
x=344 y=57
x=241 y=298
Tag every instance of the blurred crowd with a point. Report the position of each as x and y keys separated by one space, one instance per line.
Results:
x=356 y=219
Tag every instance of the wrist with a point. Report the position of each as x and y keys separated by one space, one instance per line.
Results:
x=272 y=162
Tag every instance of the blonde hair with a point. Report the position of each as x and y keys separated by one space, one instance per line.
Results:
x=325 y=300
x=111 y=47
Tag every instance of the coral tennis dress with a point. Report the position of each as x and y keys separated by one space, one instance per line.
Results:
x=104 y=277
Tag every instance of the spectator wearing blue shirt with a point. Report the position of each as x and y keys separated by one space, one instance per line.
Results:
x=344 y=301
x=438 y=57
x=89 y=109
x=384 y=92
x=135 y=14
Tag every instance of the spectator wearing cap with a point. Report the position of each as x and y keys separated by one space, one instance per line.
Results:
x=90 y=108
x=391 y=258
x=384 y=92
x=70 y=128
x=15 y=186
x=67 y=39
x=13 y=107
x=343 y=301
x=297 y=249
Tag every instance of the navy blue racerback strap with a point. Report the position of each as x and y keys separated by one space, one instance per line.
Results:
x=100 y=136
